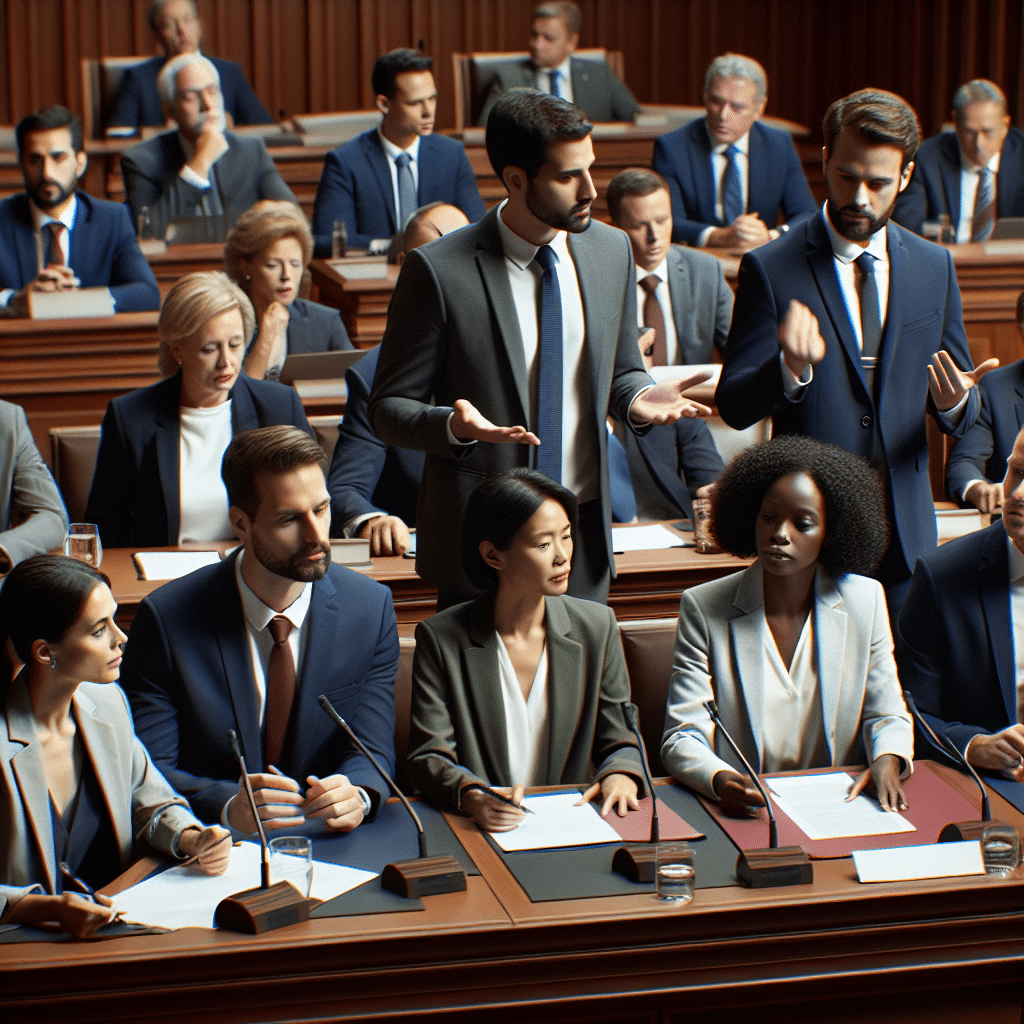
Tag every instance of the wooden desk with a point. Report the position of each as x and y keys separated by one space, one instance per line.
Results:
x=363 y=302
x=175 y=261
x=935 y=950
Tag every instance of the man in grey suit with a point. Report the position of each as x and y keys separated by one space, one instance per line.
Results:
x=32 y=516
x=590 y=84
x=681 y=293
x=465 y=351
x=201 y=169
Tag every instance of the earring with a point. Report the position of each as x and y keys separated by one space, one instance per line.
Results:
x=53 y=661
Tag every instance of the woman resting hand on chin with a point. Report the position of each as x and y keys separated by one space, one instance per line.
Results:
x=76 y=785
x=796 y=650
x=522 y=686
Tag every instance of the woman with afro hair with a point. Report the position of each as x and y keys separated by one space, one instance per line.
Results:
x=796 y=649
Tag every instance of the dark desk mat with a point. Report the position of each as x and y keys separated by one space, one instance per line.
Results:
x=579 y=872
x=25 y=933
x=1008 y=790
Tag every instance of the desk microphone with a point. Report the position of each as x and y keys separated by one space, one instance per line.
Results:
x=418 y=876
x=778 y=865
x=955 y=831
x=269 y=906
x=637 y=862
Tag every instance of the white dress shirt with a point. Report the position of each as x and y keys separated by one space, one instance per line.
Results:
x=543 y=77
x=969 y=182
x=393 y=153
x=662 y=294
x=719 y=162
x=527 y=720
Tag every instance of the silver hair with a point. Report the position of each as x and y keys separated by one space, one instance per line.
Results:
x=169 y=72
x=980 y=90
x=735 y=65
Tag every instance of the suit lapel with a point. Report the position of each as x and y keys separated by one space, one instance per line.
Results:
x=243 y=412
x=703 y=178
x=565 y=687
x=757 y=184
x=25 y=241
x=830 y=621
x=993 y=583
x=483 y=689
x=949 y=172
x=746 y=633
x=79 y=238
x=659 y=450
x=378 y=161
x=168 y=453
x=429 y=169
x=682 y=310
x=899 y=270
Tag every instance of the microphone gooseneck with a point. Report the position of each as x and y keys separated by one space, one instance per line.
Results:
x=629 y=710
x=264 y=848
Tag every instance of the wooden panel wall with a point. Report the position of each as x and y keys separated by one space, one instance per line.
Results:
x=316 y=55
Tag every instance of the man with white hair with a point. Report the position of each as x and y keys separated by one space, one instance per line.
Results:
x=201 y=169
x=732 y=179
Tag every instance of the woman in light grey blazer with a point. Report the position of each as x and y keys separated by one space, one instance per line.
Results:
x=796 y=650
x=524 y=685
x=77 y=788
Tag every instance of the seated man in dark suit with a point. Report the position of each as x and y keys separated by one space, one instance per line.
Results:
x=681 y=293
x=975 y=174
x=201 y=169
x=732 y=178
x=961 y=623
x=249 y=644
x=376 y=181
x=90 y=243
x=176 y=24
x=590 y=84
x=977 y=462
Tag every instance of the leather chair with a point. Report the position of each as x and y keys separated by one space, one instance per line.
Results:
x=73 y=458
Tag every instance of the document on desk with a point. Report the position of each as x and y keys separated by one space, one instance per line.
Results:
x=172 y=565
x=907 y=863
x=183 y=897
x=817 y=804
x=556 y=821
x=653 y=537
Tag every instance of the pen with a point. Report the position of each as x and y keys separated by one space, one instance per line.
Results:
x=84 y=887
x=505 y=800
x=195 y=856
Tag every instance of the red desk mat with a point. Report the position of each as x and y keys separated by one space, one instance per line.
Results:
x=933 y=805
x=636 y=825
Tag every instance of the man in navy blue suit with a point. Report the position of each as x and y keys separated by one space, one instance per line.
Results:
x=975 y=174
x=91 y=242
x=176 y=24
x=375 y=182
x=961 y=623
x=732 y=178
x=250 y=643
x=849 y=329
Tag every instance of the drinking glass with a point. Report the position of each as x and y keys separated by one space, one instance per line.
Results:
x=674 y=872
x=291 y=860
x=83 y=543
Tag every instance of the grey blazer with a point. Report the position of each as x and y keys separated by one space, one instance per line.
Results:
x=701 y=304
x=457 y=729
x=141 y=803
x=719 y=654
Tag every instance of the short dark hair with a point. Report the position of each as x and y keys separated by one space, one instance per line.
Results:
x=275 y=450
x=389 y=66
x=524 y=123
x=45 y=121
x=497 y=510
x=881 y=118
x=634 y=181
x=565 y=10
x=153 y=14
x=856 y=528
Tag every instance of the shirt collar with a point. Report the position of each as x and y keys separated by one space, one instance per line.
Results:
x=394 y=152
x=258 y=614
x=67 y=218
x=661 y=270
x=847 y=251
x=520 y=251
x=742 y=143
x=992 y=163
x=1016 y=561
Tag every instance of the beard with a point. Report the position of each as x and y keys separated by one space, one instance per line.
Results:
x=846 y=220
x=45 y=202
x=558 y=219
x=295 y=567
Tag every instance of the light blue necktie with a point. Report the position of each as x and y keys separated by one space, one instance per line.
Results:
x=406 y=190
x=556 y=89
x=984 y=207
x=549 y=389
x=732 y=190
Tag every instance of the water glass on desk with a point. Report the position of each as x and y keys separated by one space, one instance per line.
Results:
x=83 y=544
x=674 y=873
x=291 y=860
x=339 y=240
x=1000 y=849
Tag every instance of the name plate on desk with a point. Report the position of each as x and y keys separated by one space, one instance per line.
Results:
x=78 y=304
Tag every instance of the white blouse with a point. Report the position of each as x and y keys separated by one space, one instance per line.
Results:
x=527 y=722
x=203 y=499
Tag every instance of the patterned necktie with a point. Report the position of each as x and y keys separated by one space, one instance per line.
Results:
x=984 y=219
x=406 y=190
x=280 y=687
x=549 y=389
x=732 y=190
x=556 y=89
x=54 y=252
x=655 y=317
x=870 y=323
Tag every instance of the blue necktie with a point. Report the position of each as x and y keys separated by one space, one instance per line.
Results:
x=621 y=483
x=556 y=89
x=406 y=190
x=732 y=190
x=984 y=207
x=549 y=389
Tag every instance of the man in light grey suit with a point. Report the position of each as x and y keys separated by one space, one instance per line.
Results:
x=201 y=169
x=32 y=516
x=590 y=84
x=464 y=346
x=688 y=286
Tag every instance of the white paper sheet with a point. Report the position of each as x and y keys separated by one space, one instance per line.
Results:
x=817 y=804
x=644 y=538
x=172 y=565
x=904 y=863
x=557 y=822
x=183 y=897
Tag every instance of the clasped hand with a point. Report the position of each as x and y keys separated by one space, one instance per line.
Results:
x=282 y=804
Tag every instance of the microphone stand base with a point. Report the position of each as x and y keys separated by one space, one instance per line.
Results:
x=262 y=910
x=423 y=876
x=766 y=869
x=636 y=862
x=959 y=831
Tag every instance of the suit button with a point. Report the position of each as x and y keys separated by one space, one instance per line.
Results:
x=865 y=421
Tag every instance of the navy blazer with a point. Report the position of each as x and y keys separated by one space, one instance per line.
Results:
x=103 y=251
x=313 y=327
x=355 y=186
x=924 y=315
x=135 y=494
x=982 y=452
x=776 y=182
x=138 y=99
x=934 y=187
x=367 y=475
x=187 y=671
x=954 y=643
